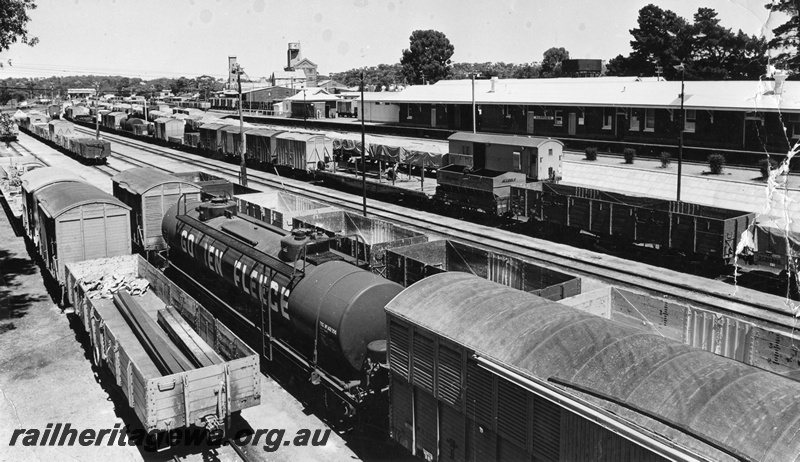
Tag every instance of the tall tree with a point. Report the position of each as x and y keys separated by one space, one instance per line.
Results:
x=551 y=61
x=787 y=35
x=428 y=57
x=14 y=23
x=661 y=40
x=708 y=50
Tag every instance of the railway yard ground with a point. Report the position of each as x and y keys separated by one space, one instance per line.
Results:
x=46 y=376
x=45 y=370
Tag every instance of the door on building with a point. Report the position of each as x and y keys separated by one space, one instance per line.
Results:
x=573 y=122
x=479 y=155
x=530 y=122
x=433 y=117
x=754 y=136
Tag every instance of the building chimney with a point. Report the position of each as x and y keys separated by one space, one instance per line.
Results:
x=494 y=84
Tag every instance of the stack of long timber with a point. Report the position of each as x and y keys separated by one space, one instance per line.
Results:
x=167 y=358
x=184 y=336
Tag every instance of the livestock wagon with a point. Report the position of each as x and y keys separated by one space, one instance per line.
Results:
x=710 y=232
x=149 y=193
x=233 y=139
x=32 y=182
x=210 y=137
x=302 y=151
x=167 y=127
x=407 y=265
x=223 y=377
x=78 y=221
x=260 y=145
x=483 y=372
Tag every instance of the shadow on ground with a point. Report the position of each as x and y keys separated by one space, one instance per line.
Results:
x=15 y=300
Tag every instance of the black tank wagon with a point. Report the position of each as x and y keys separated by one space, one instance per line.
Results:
x=311 y=314
x=484 y=372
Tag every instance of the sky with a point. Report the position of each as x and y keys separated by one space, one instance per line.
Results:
x=173 y=38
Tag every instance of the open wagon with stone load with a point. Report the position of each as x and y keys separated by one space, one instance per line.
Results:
x=175 y=364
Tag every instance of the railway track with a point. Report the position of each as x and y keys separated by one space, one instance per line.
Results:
x=608 y=269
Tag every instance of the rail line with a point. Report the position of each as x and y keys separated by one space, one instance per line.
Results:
x=608 y=269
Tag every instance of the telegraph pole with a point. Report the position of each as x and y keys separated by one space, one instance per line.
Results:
x=238 y=69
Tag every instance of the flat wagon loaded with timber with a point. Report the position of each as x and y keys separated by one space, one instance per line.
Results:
x=175 y=364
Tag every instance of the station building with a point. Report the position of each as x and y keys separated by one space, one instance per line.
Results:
x=718 y=115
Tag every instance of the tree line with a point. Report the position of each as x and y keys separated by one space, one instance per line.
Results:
x=662 y=41
x=706 y=49
x=22 y=89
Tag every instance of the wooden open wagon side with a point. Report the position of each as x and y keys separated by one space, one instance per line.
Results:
x=204 y=396
x=710 y=232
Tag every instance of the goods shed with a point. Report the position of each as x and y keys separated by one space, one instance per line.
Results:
x=78 y=221
x=538 y=158
x=33 y=181
x=149 y=193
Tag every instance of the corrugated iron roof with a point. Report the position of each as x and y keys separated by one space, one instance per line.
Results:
x=724 y=400
x=527 y=141
x=235 y=128
x=298 y=136
x=603 y=91
x=213 y=126
x=266 y=132
x=40 y=177
x=58 y=198
x=139 y=180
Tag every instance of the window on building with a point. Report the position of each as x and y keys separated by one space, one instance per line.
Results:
x=558 y=119
x=794 y=124
x=608 y=115
x=690 y=121
x=549 y=152
x=649 y=120
x=634 y=120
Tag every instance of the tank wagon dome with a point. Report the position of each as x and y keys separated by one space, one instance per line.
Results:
x=40 y=177
x=57 y=199
x=706 y=396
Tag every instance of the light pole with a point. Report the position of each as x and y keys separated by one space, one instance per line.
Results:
x=239 y=70
x=681 y=68
x=363 y=150
x=305 y=109
x=474 y=122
